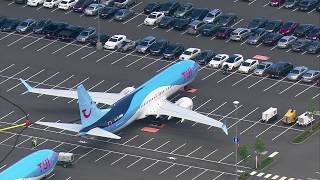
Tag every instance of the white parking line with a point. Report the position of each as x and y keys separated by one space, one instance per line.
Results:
x=177 y=148
x=57 y=146
x=24 y=36
x=7 y=138
x=74 y=86
x=237 y=22
x=252 y=2
x=284 y=131
x=316 y=96
x=82 y=156
x=167 y=65
x=151 y=63
x=169 y=29
x=257 y=82
x=243 y=117
x=33 y=42
x=68 y=12
x=14 y=75
x=161 y=145
x=3 y=166
x=105 y=56
x=49 y=177
x=266 y=4
x=7 y=35
x=258 y=45
x=118 y=159
x=226 y=157
x=57 y=85
x=145 y=143
x=289 y=87
x=268 y=128
x=311 y=11
x=228 y=114
x=130 y=139
x=150 y=165
x=243 y=42
x=47 y=45
x=63 y=47
x=88 y=54
x=210 y=75
x=7 y=68
x=23 y=141
x=137 y=60
x=53 y=10
x=77 y=50
x=88 y=90
x=194 y=150
x=200 y=107
x=135 y=5
x=38 y=8
x=26 y=80
x=167 y=168
x=69 y=178
x=250 y=127
x=11 y=3
x=274 y=84
x=135 y=162
x=230 y=74
x=183 y=172
x=122 y=57
x=242 y=79
x=45 y=81
x=218 y=176
x=102 y=157
x=141 y=13
x=200 y=174
x=209 y=154
x=73 y=148
x=6 y=115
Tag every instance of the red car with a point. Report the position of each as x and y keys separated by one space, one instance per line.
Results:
x=276 y=3
x=288 y=28
x=224 y=32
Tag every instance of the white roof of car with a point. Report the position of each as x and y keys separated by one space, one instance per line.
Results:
x=192 y=49
x=118 y=36
x=156 y=13
x=250 y=60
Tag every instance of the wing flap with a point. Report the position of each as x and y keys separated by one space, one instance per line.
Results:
x=102 y=133
x=64 y=126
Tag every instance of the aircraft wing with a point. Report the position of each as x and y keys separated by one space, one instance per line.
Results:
x=98 y=97
x=171 y=109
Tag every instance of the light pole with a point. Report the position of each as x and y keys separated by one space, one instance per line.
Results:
x=236 y=104
x=99 y=44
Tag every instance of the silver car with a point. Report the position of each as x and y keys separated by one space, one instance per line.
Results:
x=261 y=68
x=239 y=34
x=124 y=3
x=86 y=34
x=286 y=41
x=297 y=72
x=257 y=36
x=93 y=9
x=212 y=15
x=311 y=76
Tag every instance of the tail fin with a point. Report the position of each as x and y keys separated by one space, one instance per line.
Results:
x=89 y=112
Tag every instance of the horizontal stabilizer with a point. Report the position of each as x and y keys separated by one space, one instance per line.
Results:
x=64 y=126
x=102 y=133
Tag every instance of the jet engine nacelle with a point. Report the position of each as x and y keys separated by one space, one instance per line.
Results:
x=185 y=102
x=127 y=90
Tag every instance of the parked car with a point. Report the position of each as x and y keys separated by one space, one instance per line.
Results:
x=107 y=12
x=318 y=7
x=81 y=5
x=40 y=25
x=114 y=42
x=166 y=22
x=291 y=4
x=288 y=28
x=194 y=27
x=158 y=47
x=276 y=3
x=204 y=57
x=257 y=36
x=93 y=9
x=20 y=1
x=184 y=11
x=234 y=61
x=279 y=69
x=218 y=60
x=300 y=45
x=34 y=2
x=314 y=34
x=151 y=7
x=144 y=45
x=26 y=26
x=10 y=24
x=224 y=32
x=153 y=18
x=103 y=38
x=127 y=45
x=190 y=53
x=107 y=2
x=173 y=51
x=307 y=5
x=273 y=25
x=310 y=76
x=302 y=30
x=256 y=23
x=181 y=24
x=199 y=13
x=3 y=19
x=51 y=31
x=271 y=39
x=248 y=66
x=69 y=33
x=226 y=19
x=66 y=4
x=209 y=29
x=170 y=7
x=51 y=3
x=296 y=73
x=314 y=47
x=123 y=14
x=212 y=15
x=86 y=34
x=124 y=3
x=261 y=68
x=286 y=41
x=239 y=34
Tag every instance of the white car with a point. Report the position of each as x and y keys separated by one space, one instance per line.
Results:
x=154 y=18
x=218 y=60
x=190 y=53
x=51 y=3
x=248 y=65
x=233 y=62
x=66 y=4
x=34 y=2
x=114 y=42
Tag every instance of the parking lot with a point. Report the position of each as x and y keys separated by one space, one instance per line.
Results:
x=179 y=150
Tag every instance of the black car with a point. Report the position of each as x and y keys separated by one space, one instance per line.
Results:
x=170 y=7
x=314 y=47
x=10 y=24
x=279 y=69
x=107 y=12
x=302 y=30
x=123 y=14
x=204 y=57
x=181 y=24
x=314 y=34
x=40 y=25
x=166 y=22
x=151 y=7
x=103 y=38
x=318 y=7
x=20 y=1
x=199 y=13
x=52 y=30
x=271 y=39
x=158 y=47
x=226 y=19
x=173 y=51
x=273 y=25
x=81 y=5
x=300 y=45
x=2 y=20
x=307 y=5
x=184 y=11
x=224 y=32
x=209 y=29
x=69 y=33
x=256 y=23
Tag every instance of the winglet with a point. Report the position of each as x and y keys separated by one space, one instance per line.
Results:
x=224 y=128
x=29 y=88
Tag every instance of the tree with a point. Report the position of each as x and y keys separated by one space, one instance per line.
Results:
x=311 y=109
x=243 y=152
x=259 y=147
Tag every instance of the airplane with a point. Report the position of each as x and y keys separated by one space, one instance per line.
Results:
x=32 y=167
x=149 y=99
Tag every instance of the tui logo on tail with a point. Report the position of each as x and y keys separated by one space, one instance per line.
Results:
x=84 y=111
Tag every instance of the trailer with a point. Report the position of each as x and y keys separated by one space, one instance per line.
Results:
x=305 y=119
x=290 y=117
x=270 y=114
x=65 y=159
